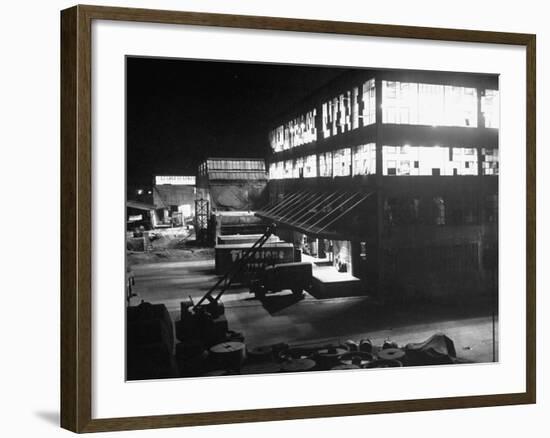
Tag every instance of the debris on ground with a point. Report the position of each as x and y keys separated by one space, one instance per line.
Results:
x=207 y=347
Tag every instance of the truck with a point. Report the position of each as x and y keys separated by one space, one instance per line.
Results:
x=293 y=276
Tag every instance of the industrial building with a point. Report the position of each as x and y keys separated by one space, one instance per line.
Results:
x=228 y=189
x=390 y=177
x=139 y=214
x=232 y=184
x=174 y=198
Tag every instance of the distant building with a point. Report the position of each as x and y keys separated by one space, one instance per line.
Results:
x=392 y=176
x=174 y=199
x=232 y=184
x=139 y=215
x=226 y=186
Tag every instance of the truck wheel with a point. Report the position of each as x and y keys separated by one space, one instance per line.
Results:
x=297 y=292
x=260 y=292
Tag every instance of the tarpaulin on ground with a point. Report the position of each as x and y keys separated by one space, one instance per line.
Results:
x=437 y=350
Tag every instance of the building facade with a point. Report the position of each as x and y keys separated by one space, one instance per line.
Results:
x=174 y=198
x=232 y=184
x=392 y=176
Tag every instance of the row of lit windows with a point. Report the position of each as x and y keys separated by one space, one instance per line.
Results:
x=396 y=161
x=402 y=103
x=490 y=107
x=428 y=104
x=343 y=112
x=359 y=160
x=441 y=161
x=437 y=105
x=296 y=132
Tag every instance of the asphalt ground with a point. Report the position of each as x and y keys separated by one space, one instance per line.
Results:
x=284 y=318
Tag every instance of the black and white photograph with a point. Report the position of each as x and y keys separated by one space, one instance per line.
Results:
x=286 y=218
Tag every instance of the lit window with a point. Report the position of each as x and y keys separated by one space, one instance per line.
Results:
x=326 y=119
x=310 y=166
x=428 y=160
x=490 y=108
x=342 y=162
x=298 y=171
x=344 y=104
x=369 y=103
x=428 y=104
x=288 y=169
x=342 y=112
x=276 y=170
x=296 y=132
x=325 y=164
x=280 y=170
x=335 y=111
x=364 y=159
x=355 y=108
x=489 y=161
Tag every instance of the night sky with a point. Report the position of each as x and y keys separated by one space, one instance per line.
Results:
x=180 y=112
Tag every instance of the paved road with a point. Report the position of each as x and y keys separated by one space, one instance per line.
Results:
x=282 y=318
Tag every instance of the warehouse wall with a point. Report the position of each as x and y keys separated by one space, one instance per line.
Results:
x=234 y=196
x=166 y=195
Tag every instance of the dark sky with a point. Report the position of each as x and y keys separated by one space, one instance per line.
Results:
x=179 y=111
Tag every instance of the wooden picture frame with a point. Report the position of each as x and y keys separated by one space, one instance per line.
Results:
x=76 y=218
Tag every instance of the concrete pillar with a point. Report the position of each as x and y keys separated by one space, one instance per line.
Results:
x=481 y=189
x=378 y=252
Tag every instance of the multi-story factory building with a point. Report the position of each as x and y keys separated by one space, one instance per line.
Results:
x=392 y=178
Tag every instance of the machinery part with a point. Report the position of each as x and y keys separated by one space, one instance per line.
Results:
x=391 y=354
x=203 y=327
x=360 y=359
x=185 y=328
x=296 y=276
x=345 y=367
x=259 y=291
x=389 y=344
x=225 y=281
x=292 y=353
x=215 y=308
x=278 y=348
x=185 y=306
x=234 y=336
x=228 y=355
x=365 y=345
x=329 y=356
x=352 y=345
x=261 y=368
x=298 y=365
x=260 y=354
x=386 y=364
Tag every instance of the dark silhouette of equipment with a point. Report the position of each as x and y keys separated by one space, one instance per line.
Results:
x=215 y=292
x=203 y=326
x=294 y=276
